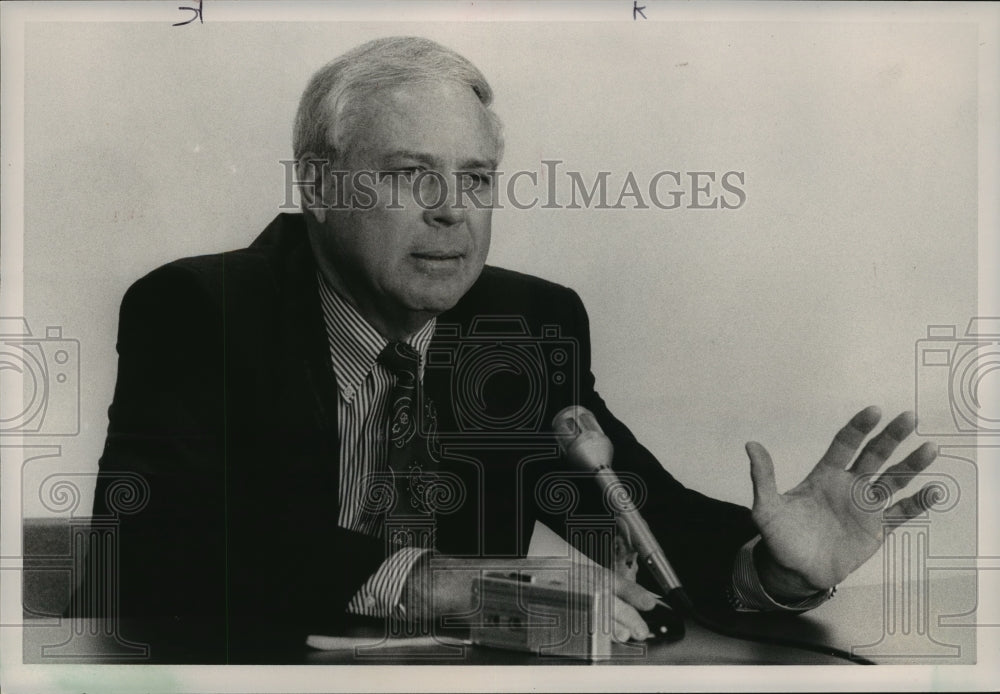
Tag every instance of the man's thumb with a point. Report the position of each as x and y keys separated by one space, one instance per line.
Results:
x=765 y=491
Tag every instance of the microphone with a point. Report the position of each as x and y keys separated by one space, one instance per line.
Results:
x=585 y=445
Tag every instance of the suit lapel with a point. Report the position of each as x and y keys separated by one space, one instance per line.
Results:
x=308 y=400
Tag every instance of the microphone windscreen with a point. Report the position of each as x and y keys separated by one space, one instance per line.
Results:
x=581 y=438
x=572 y=421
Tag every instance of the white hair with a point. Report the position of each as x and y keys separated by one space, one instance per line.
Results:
x=324 y=123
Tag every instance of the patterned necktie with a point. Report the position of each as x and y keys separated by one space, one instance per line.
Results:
x=412 y=450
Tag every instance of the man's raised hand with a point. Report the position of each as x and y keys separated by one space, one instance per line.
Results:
x=817 y=533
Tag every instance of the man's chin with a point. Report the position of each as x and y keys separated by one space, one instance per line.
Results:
x=438 y=297
x=432 y=307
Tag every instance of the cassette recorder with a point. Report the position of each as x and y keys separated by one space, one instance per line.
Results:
x=520 y=611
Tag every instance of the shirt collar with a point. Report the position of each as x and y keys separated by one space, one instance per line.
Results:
x=355 y=344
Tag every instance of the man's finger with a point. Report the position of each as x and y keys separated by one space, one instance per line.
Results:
x=634 y=594
x=847 y=440
x=882 y=446
x=765 y=491
x=626 y=618
x=900 y=474
x=910 y=507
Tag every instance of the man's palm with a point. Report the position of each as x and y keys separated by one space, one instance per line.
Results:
x=835 y=519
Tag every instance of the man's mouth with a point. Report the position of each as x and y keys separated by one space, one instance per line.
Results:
x=437 y=255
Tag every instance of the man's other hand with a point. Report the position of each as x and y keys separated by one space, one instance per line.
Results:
x=817 y=533
x=441 y=586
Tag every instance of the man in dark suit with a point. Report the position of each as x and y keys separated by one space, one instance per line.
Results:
x=253 y=395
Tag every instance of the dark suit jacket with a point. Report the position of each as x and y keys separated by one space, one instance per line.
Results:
x=226 y=404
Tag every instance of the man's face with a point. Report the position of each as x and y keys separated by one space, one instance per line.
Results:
x=414 y=252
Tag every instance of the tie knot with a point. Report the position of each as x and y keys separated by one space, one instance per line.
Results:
x=400 y=358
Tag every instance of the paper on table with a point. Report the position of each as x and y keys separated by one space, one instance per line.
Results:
x=544 y=543
x=349 y=643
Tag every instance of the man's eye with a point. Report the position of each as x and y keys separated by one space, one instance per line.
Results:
x=406 y=174
x=479 y=179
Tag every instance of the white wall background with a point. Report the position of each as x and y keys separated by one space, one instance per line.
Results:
x=773 y=322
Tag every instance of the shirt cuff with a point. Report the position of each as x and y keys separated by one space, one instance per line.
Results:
x=380 y=594
x=747 y=594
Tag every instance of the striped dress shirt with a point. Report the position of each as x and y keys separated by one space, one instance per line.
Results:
x=364 y=387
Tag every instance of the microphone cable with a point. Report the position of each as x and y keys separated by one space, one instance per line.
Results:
x=679 y=600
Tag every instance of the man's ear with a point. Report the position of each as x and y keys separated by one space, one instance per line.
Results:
x=309 y=171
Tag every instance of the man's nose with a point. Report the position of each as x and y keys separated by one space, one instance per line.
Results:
x=442 y=202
